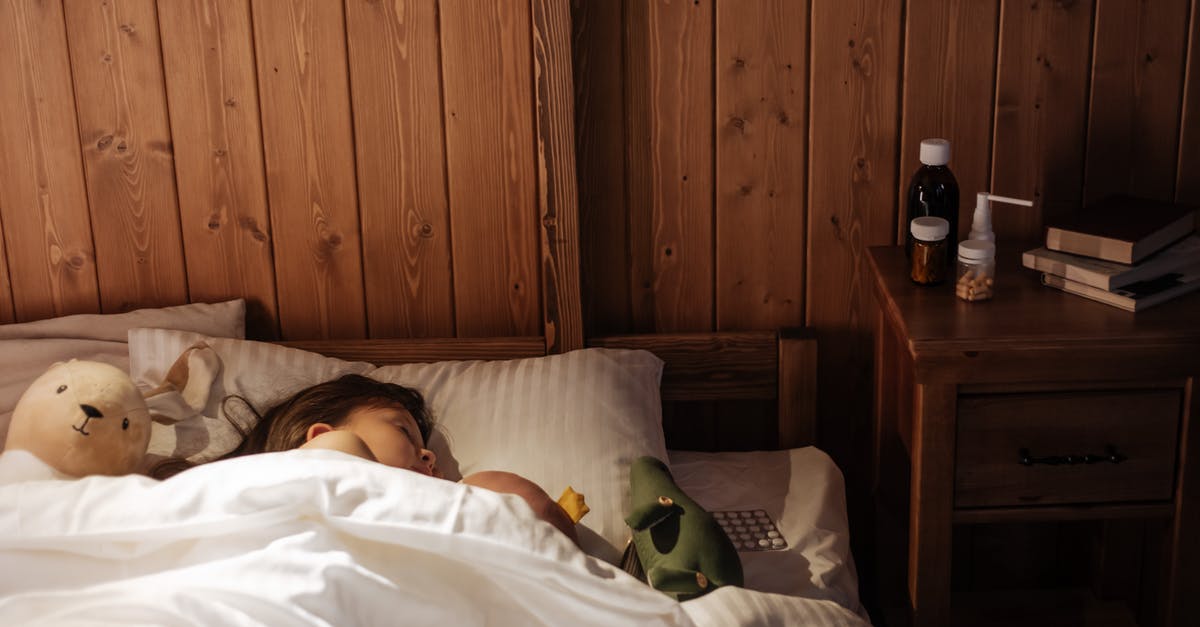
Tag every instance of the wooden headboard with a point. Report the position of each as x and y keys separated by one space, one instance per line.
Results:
x=744 y=371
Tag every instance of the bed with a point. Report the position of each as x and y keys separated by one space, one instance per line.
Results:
x=311 y=537
x=316 y=537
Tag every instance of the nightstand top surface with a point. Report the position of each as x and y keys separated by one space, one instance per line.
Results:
x=1023 y=310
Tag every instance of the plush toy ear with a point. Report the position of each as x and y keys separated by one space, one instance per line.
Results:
x=82 y=418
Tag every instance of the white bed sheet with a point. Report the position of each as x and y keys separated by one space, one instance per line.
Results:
x=318 y=538
x=804 y=493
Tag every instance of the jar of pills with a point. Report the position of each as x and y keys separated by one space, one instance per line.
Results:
x=930 y=249
x=976 y=270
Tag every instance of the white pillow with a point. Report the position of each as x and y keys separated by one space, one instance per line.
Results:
x=189 y=422
x=27 y=349
x=575 y=419
x=227 y=319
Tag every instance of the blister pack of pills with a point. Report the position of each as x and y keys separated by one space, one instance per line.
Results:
x=751 y=530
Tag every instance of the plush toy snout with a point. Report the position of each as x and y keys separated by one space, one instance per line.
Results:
x=82 y=418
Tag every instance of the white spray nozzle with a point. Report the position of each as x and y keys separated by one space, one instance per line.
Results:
x=981 y=224
x=1011 y=201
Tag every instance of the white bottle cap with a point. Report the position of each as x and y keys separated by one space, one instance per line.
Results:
x=976 y=250
x=929 y=228
x=935 y=151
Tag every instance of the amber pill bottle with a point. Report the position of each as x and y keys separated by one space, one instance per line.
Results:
x=930 y=251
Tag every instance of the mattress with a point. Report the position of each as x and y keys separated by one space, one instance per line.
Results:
x=803 y=492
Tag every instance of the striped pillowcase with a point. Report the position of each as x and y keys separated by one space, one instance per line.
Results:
x=575 y=419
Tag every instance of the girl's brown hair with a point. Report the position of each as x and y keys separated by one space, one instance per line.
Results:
x=285 y=426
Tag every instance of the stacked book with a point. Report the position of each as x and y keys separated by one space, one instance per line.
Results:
x=1128 y=252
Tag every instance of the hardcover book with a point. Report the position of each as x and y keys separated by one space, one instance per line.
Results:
x=1124 y=229
x=1109 y=275
x=1135 y=296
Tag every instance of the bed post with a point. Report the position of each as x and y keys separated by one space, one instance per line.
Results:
x=558 y=196
x=797 y=388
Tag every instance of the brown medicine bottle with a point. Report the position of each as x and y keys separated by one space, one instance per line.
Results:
x=933 y=191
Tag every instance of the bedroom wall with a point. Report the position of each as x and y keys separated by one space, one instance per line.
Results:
x=737 y=158
x=355 y=168
x=352 y=169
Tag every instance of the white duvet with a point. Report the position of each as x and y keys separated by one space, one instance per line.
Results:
x=317 y=538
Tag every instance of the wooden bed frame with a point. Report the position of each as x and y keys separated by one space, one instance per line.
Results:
x=745 y=371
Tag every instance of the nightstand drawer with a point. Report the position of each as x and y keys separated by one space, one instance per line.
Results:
x=1044 y=449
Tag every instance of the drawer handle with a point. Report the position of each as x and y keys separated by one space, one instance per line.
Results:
x=1110 y=455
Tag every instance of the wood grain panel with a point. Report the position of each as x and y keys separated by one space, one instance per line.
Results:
x=48 y=263
x=853 y=131
x=1182 y=602
x=396 y=89
x=993 y=429
x=600 y=154
x=6 y=293
x=1137 y=84
x=797 y=389
x=411 y=350
x=930 y=503
x=486 y=73
x=669 y=68
x=208 y=58
x=1041 y=107
x=301 y=54
x=1187 y=173
x=558 y=195
x=709 y=366
x=639 y=179
x=1058 y=513
x=949 y=76
x=762 y=115
x=127 y=153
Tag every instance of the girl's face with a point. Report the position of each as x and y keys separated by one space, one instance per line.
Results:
x=393 y=437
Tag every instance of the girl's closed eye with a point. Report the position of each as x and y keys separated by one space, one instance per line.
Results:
x=407 y=431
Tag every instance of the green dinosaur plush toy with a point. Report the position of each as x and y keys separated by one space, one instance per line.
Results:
x=683 y=551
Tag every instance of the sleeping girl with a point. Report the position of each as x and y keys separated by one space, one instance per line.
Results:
x=382 y=422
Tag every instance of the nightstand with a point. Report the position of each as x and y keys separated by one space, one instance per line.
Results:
x=1034 y=406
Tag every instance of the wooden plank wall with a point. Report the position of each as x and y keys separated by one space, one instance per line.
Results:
x=376 y=169
x=736 y=158
x=352 y=168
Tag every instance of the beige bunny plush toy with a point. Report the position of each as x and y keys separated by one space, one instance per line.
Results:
x=82 y=418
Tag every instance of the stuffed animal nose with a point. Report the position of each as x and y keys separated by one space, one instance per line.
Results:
x=91 y=412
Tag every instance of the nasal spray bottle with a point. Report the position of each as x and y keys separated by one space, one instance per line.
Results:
x=977 y=254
